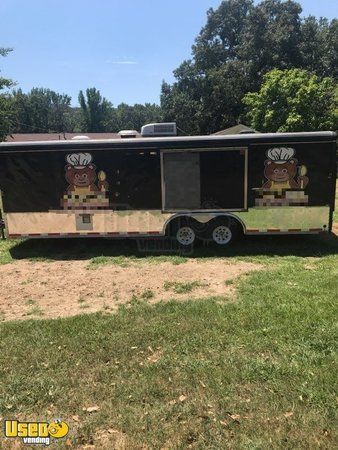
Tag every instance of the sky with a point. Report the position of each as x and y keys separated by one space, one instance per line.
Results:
x=124 y=48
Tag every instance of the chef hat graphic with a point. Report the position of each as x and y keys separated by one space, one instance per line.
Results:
x=280 y=155
x=79 y=160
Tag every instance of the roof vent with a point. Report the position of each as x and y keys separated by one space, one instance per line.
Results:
x=159 y=129
x=124 y=134
x=80 y=138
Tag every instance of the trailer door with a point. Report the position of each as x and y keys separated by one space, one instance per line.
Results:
x=181 y=180
x=223 y=179
x=205 y=179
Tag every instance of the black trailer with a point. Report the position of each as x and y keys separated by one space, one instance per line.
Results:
x=206 y=187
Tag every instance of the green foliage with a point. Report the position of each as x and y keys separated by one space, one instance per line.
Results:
x=94 y=110
x=5 y=101
x=40 y=111
x=180 y=106
x=5 y=82
x=5 y=116
x=98 y=114
x=319 y=46
x=133 y=117
x=45 y=111
x=240 y=43
x=293 y=100
x=73 y=119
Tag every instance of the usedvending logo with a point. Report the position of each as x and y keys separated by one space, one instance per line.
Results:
x=35 y=432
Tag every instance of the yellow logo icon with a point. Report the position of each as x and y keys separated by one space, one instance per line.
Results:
x=58 y=429
x=35 y=432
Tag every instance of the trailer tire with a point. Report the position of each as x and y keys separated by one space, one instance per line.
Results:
x=224 y=230
x=185 y=236
x=222 y=235
x=182 y=231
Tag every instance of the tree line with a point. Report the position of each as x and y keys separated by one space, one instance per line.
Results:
x=45 y=111
x=234 y=55
x=262 y=64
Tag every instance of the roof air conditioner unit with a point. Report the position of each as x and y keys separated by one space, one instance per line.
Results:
x=125 y=134
x=159 y=129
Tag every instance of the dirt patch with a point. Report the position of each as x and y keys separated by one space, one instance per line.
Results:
x=68 y=288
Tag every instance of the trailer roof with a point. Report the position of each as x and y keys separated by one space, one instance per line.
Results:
x=170 y=142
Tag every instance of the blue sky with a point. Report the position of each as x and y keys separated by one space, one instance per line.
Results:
x=124 y=48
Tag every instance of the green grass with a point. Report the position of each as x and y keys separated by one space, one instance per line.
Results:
x=5 y=248
x=256 y=373
x=182 y=288
x=82 y=303
x=121 y=261
x=127 y=261
x=335 y=214
x=35 y=311
x=262 y=249
x=84 y=306
x=30 y=302
x=139 y=298
x=147 y=294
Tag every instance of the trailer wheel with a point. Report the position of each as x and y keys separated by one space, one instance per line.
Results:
x=182 y=230
x=222 y=234
x=185 y=235
x=224 y=231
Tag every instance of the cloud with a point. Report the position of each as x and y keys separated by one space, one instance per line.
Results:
x=125 y=62
x=122 y=61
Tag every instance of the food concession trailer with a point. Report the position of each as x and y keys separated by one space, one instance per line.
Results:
x=207 y=187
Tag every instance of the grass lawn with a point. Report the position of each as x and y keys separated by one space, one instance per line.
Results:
x=256 y=371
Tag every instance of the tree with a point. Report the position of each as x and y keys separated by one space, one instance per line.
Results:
x=40 y=111
x=43 y=110
x=5 y=102
x=73 y=120
x=98 y=114
x=178 y=105
x=59 y=107
x=95 y=111
x=132 y=117
x=319 y=46
x=240 y=43
x=271 y=37
x=5 y=82
x=220 y=38
x=293 y=100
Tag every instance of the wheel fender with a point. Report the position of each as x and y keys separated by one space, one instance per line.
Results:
x=203 y=218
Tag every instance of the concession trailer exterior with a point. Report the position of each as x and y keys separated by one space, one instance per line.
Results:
x=207 y=187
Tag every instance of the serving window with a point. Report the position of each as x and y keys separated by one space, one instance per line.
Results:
x=135 y=180
x=204 y=179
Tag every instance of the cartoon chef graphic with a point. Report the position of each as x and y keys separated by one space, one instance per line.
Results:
x=86 y=189
x=281 y=170
x=81 y=175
